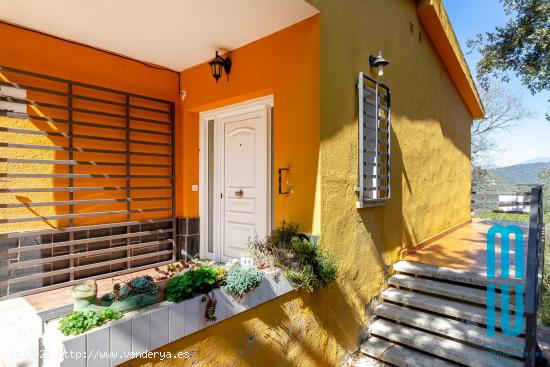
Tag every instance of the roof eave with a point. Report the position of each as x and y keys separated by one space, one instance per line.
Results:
x=434 y=18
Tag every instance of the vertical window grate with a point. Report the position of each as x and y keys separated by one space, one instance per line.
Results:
x=374 y=142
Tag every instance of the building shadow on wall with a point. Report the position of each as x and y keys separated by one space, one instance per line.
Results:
x=275 y=333
x=385 y=223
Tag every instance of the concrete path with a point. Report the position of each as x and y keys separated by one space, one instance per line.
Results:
x=543 y=336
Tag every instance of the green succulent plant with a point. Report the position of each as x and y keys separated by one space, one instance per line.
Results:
x=118 y=293
x=240 y=281
x=143 y=285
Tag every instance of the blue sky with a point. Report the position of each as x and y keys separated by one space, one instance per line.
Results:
x=531 y=138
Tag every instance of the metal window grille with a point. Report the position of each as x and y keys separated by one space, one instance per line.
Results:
x=98 y=174
x=374 y=142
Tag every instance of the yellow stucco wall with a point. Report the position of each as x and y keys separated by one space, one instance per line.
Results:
x=431 y=130
x=430 y=186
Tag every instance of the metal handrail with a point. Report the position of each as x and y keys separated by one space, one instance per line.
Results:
x=534 y=280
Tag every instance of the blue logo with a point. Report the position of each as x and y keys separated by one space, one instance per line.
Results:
x=504 y=284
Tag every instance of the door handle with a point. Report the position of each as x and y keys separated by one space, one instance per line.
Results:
x=239 y=193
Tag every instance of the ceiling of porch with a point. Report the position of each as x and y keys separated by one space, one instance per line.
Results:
x=176 y=34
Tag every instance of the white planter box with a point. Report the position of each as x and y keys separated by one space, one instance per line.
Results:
x=151 y=327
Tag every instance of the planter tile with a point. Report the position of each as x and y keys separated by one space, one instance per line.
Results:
x=252 y=298
x=97 y=348
x=284 y=285
x=193 y=315
x=164 y=323
x=159 y=328
x=176 y=321
x=232 y=306
x=203 y=323
x=221 y=308
x=121 y=341
x=75 y=349
x=268 y=288
x=141 y=333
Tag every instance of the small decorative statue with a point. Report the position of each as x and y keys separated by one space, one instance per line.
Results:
x=246 y=262
x=84 y=295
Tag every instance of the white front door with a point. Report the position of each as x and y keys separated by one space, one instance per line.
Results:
x=244 y=181
x=240 y=200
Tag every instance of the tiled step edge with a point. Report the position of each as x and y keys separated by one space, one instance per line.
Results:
x=400 y=356
x=449 y=274
x=440 y=346
x=441 y=288
x=452 y=329
x=456 y=309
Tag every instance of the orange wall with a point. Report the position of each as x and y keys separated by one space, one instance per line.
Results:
x=285 y=64
x=27 y=50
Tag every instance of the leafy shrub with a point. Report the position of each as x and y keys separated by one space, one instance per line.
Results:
x=78 y=322
x=109 y=314
x=240 y=281
x=283 y=235
x=185 y=286
x=326 y=269
x=301 y=277
x=305 y=264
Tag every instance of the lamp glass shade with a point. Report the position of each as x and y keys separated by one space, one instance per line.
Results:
x=217 y=68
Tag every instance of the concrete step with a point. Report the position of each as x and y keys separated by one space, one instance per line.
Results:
x=441 y=306
x=452 y=329
x=440 y=346
x=400 y=356
x=448 y=274
x=457 y=292
x=362 y=360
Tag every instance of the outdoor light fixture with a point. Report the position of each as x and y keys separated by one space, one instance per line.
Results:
x=378 y=62
x=218 y=65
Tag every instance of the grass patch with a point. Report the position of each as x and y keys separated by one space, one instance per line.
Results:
x=513 y=217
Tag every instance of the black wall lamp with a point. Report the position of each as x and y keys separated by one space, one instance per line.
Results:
x=378 y=62
x=219 y=65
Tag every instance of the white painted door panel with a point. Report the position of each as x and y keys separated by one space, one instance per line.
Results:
x=244 y=184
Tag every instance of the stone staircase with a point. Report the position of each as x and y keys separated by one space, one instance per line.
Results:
x=432 y=316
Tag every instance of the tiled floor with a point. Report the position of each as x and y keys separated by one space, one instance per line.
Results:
x=465 y=248
x=61 y=297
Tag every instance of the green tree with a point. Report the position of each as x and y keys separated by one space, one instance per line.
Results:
x=545 y=177
x=521 y=46
x=503 y=110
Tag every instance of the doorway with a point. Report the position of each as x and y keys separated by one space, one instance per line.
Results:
x=235 y=177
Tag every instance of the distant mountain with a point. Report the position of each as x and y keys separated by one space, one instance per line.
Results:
x=525 y=173
x=538 y=160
